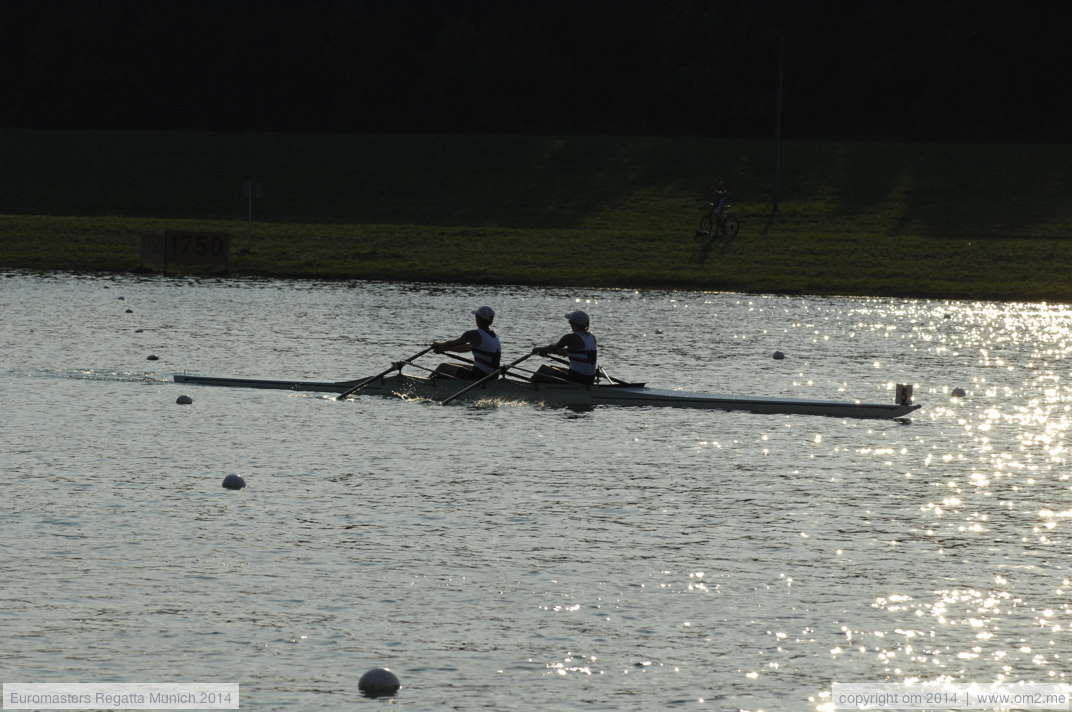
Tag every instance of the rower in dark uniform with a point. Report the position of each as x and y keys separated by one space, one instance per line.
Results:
x=579 y=346
x=481 y=341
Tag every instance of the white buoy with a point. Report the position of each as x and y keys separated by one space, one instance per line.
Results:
x=184 y=400
x=379 y=681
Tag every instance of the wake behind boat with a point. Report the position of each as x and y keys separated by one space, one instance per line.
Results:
x=509 y=389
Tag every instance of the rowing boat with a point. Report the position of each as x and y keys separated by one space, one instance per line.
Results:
x=572 y=395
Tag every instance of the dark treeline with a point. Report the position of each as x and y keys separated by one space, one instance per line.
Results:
x=856 y=69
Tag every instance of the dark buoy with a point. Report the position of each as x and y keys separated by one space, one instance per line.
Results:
x=234 y=482
x=153 y=357
x=958 y=393
x=379 y=681
x=139 y=331
x=778 y=355
x=130 y=311
x=184 y=400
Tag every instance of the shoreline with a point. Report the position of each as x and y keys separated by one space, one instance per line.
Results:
x=860 y=219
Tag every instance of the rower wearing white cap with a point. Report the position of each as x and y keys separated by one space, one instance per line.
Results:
x=481 y=341
x=578 y=346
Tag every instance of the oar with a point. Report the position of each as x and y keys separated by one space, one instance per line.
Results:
x=497 y=372
x=600 y=370
x=612 y=378
x=438 y=373
x=394 y=366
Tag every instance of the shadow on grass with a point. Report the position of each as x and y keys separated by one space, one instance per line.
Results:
x=712 y=244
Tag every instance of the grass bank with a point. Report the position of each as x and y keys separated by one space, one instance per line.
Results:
x=956 y=221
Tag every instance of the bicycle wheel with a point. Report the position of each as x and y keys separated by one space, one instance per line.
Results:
x=705 y=226
x=731 y=225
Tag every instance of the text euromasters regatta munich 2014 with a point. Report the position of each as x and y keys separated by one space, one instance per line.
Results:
x=121 y=696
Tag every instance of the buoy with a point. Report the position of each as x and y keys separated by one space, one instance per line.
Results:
x=153 y=357
x=778 y=355
x=139 y=331
x=130 y=311
x=958 y=393
x=234 y=482
x=379 y=681
x=120 y=298
x=658 y=331
x=184 y=400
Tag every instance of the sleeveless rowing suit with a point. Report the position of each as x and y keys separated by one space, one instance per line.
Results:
x=487 y=356
x=582 y=363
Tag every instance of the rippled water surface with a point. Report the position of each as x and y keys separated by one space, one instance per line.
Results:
x=511 y=557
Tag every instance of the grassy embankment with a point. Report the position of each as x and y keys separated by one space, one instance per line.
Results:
x=959 y=221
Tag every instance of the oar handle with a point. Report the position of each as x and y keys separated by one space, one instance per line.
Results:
x=456 y=357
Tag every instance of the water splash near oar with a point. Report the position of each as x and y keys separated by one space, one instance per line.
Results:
x=394 y=367
x=494 y=374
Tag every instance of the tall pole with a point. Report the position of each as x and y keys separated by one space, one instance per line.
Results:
x=249 y=219
x=778 y=123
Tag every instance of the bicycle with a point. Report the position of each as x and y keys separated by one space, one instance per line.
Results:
x=726 y=224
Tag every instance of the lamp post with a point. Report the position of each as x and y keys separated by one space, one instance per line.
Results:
x=250 y=190
x=778 y=123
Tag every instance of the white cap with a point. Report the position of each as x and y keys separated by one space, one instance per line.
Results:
x=485 y=313
x=578 y=317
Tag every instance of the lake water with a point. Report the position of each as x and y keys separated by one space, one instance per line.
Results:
x=518 y=557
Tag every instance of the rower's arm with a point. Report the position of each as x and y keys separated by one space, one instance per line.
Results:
x=559 y=347
x=465 y=342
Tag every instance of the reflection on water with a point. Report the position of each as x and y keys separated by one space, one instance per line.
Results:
x=503 y=556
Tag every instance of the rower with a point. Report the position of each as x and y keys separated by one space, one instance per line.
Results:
x=579 y=346
x=481 y=341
